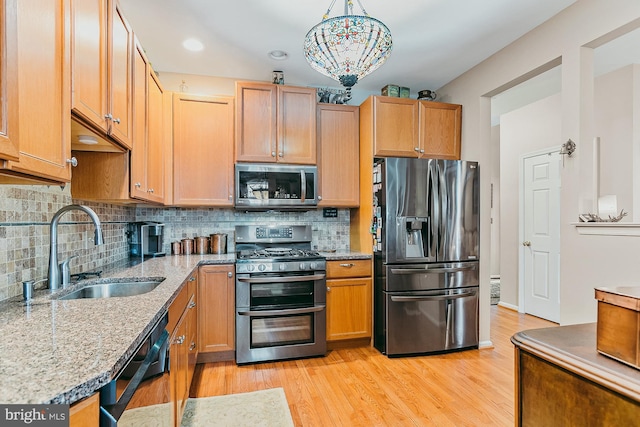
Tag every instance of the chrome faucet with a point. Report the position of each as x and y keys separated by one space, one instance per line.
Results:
x=55 y=273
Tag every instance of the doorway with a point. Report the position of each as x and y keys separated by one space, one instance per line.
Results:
x=540 y=234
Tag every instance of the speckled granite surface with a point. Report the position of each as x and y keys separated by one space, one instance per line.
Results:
x=336 y=256
x=55 y=351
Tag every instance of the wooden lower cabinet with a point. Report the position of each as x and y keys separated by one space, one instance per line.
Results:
x=216 y=317
x=349 y=300
x=86 y=412
x=183 y=345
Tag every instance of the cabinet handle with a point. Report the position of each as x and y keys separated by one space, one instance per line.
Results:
x=117 y=120
x=348 y=265
x=230 y=274
x=192 y=304
x=273 y=154
x=73 y=162
x=192 y=346
x=192 y=279
x=138 y=185
x=108 y=116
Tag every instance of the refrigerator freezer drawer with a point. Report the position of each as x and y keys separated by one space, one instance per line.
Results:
x=434 y=321
x=420 y=277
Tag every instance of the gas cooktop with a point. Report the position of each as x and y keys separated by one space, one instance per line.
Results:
x=276 y=254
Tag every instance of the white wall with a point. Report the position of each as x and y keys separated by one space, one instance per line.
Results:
x=531 y=128
x=495 y=202
x=587 y=261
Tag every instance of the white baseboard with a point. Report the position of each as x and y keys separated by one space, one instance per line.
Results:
x=484 y=345
x=507 y=305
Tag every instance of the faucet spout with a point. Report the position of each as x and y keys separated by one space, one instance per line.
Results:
x=54 y=270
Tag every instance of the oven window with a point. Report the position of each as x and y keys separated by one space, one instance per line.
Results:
x=284 y=330
x=282 y=295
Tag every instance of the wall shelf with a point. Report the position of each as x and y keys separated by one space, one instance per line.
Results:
x=608 y=228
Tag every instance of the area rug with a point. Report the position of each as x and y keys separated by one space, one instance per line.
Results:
x=265 y=408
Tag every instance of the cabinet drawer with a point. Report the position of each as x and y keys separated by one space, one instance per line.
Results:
x=349 y=268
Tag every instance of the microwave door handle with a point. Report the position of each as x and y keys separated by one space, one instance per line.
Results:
x=281 y=279
x=282 y=312
x=431 y=270
x=303 y=184
x=118 y=408
x=396 y=298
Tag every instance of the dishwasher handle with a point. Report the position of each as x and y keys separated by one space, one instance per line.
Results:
x=398 y=298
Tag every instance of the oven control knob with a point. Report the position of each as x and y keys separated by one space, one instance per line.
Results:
x=251 y=267
x=262 y=267
x=312 y=266
x=303 y=266
x=282 y=267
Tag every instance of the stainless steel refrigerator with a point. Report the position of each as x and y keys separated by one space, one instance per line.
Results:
x=426 y=252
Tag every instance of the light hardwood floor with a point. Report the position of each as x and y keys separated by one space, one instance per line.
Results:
x=361 y=387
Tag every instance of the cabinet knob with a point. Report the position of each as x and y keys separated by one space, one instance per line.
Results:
x=137 y=185
x=117 y=120
x=416 y=149
x=421 y=151
x=230 y=274
x=192 y=304
x=319 y=197
x=192 y=279
x=192 y=346
x=108 y=116
x=526 y=243
x=328 y=289
x=281 y=154
x=273 y=154
x=180 y=339
x=230 y=196
x=73 y=162
x=150 y=190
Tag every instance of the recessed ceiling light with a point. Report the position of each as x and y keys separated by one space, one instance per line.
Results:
x=193 y=45
x=278 y=55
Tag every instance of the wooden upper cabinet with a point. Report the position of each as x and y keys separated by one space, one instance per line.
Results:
x=43 y=92
x=101 y=67
x=338 y=155
x=394 y=126
x=440 y=126
x=156 y=139
x=140 y=141
x=8 y=81
x=275 y=123
x=202 y=150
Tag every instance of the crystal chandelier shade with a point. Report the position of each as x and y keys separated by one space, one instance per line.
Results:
x=347 y=48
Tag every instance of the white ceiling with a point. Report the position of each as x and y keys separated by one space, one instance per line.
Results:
x=434 y=41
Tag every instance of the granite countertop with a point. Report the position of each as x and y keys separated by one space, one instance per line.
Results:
x=337 y=256
x=56 y=351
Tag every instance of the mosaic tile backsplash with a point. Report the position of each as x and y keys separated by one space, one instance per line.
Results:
x=26 y=212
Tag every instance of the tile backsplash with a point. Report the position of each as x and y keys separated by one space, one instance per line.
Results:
x=26 y=212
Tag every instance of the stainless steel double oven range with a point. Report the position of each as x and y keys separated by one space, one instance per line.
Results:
x=280 y=294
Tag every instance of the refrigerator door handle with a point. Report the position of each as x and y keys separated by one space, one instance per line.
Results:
x=431 y=270
x=396 y=298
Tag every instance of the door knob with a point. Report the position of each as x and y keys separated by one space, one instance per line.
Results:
x=526 y=243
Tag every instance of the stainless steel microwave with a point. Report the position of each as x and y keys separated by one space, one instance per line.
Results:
x=267 y=186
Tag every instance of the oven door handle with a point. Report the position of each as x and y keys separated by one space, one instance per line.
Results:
x=395 y=298
x=284 y=312
x=287 y=279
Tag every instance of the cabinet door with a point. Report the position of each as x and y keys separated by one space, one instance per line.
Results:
x=8 y=81
x=338 y=155
x=43 y=90
x=139 y=147
x=89 y=61
x=155 y=167
x=296 y=125
x=440 y=126
x=192 y=334
x=202 y=150
x=348 y=308
x=86 y=412
x=120 y=69
x=395 y=127
x=256 y=122
x=178 y=365
x=216 y=314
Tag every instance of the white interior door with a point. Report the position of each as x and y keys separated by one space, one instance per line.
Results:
x=540 y=225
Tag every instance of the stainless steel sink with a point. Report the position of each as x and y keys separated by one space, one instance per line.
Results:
x=113 y=288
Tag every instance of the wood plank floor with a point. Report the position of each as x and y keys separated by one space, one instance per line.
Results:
x=361 y=387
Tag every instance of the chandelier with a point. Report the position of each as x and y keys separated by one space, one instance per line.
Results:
x=349 y=47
